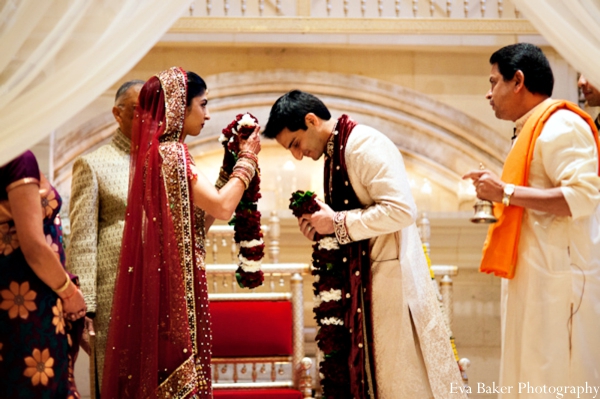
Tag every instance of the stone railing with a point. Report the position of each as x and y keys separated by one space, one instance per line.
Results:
x=356 y=8
x=407 y=17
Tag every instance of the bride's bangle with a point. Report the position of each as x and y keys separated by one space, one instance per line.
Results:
x=249 y=155
x=64 y=286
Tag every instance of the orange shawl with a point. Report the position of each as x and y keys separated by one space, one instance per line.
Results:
x=500 y=249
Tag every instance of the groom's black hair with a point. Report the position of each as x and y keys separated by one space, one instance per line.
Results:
x=289 y=111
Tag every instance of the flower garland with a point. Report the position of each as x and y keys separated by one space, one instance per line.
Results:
x=330 y=307
x=246 y=220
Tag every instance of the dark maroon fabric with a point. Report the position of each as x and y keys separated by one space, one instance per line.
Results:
x=25 y=165
x=257 y=394
x=251 y=328
x=340 y=196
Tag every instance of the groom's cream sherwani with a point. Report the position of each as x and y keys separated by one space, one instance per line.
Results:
x=412 y=351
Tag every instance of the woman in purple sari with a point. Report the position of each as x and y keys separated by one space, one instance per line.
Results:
x=40 y=304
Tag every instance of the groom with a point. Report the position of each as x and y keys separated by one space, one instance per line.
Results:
x=400 y=345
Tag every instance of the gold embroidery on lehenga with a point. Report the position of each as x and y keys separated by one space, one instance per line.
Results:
x=176 y=185
x=181 y=382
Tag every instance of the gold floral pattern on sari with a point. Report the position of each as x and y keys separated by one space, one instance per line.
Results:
x=39 y=367
x=8 y=239
x=58 y=319
x=18 y=300
x=49 y=203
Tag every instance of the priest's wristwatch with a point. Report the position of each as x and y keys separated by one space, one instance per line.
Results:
x=509 y=190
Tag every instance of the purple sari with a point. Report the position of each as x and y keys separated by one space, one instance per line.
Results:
x=38 y=347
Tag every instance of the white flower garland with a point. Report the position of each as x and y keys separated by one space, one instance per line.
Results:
x=249 y=266
x=327 y=296
x=331 y=295
x=332 y=321
x=250 y=244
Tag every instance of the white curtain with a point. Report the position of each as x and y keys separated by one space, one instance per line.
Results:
x=56 y=56
x=572 y=27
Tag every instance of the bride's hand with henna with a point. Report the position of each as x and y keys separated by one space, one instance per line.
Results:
x=251 y=144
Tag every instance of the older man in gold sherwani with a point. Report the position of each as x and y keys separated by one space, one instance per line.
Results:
x=97 y=214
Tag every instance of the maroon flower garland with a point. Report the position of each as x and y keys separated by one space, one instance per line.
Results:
x=246 y=220
x=330 y=289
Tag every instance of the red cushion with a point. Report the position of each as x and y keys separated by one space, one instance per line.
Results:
x=256 y=394
x=251 y=328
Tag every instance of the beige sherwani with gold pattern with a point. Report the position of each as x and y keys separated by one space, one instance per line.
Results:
x=97 y=215
x=412 y=351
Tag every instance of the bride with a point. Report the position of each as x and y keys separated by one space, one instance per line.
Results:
x=159 y=337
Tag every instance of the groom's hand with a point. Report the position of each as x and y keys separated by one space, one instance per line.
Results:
x=322 y=220
x=306 y=227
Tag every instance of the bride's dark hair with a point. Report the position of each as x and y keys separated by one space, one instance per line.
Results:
x=196 y=87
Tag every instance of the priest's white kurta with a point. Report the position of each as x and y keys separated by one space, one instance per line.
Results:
x=413 y=356
x=551 y=308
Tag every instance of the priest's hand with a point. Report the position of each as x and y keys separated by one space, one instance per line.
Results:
x=488 y=186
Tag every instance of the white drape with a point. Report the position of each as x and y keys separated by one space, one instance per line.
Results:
x=56 y=56
x=572 y=27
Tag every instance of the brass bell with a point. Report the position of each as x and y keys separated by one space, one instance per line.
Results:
x=484 y=209
x=484 y=212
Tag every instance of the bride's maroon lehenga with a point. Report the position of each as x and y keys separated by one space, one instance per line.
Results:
x=159 y=336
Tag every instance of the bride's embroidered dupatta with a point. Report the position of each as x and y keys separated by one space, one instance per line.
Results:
x=159 y=335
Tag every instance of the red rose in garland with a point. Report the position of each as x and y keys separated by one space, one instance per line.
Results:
x=330 y=308
x=246 y=220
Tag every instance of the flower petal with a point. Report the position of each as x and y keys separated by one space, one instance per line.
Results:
x=23 y=313
x=30 y=361
x=30 y=305
x=50 y=363
x=45 y=355
x=24 y=288
x=36 y=379
x=6 y=294
x=6 y=304
x=14 y=287
x=13 y=312
x=30 y=371
x=37 y=355
x=30 y=296
x=44 y=379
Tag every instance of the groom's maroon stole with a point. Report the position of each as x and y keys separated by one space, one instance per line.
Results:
x=341 y=197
